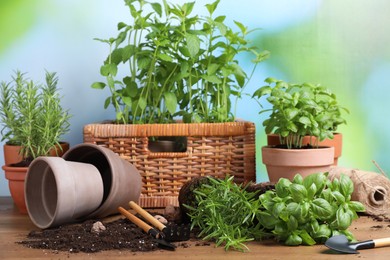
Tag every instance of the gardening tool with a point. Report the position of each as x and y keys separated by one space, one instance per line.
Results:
x=341 y=244
x=148 y=229
x=171 y=232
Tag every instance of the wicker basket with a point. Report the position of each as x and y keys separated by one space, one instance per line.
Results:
x=213 y=149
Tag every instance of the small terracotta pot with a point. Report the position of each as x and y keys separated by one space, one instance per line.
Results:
x=336 y=142
x=12 y=152
x=59 y=192
x=121 y=180
x=16 y=177
x=286 y=163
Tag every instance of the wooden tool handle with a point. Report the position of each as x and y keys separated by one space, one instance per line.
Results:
x=381 y=242
x=145 y=227
x=146 y=215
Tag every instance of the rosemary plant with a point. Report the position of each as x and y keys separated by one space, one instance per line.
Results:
x=226 y=213
x=31 y=114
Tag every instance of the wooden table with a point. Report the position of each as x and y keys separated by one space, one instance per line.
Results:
x=14 y=227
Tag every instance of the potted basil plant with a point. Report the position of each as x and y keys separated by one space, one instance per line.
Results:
x=33 y=122
x=302 y=116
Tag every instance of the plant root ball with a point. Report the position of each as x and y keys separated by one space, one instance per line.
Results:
x=187 y=196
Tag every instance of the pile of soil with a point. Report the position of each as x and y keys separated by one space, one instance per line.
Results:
x=120 y=234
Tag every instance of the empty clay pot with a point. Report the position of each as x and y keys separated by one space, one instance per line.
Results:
x=59 y=192
x=121 y=180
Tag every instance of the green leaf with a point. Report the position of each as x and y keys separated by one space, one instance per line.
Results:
x=282 y=187
x=304 y=120
x=157 y=8
x=293 y=240
x=108 y=69
x=311 y=191
x=142 y=103
x=193 y=44
x=298 y=192
x=121 y=37
x=212 y=79
x=344 y=219
x=292 y=223
x=298 y=179
x=170 y=102
x=98 y=85
x=291 y=113
x=107 y=102
x=131 y=87
x=323 y=232
x=164 y=57
x=143 y=63
x=242 y=27
x=127 y=52
x=121 y=25
x=346 y=185
x=127 y=101
x=339 y=197
x=356 y=206
x=306 y=238
x=321 y=208
x=211 y=7
x=266 y=90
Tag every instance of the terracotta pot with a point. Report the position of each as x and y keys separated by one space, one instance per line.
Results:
x=336 y=142
x=287 y=163
x=16 y=177
x=59 y=192
x=12 y=152
x=121 y=180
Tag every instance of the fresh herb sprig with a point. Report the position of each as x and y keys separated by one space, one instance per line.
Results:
x=226 y=213
x=309 y=211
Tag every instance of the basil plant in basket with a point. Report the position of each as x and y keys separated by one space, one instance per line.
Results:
x=178 y=64
x=299 y=110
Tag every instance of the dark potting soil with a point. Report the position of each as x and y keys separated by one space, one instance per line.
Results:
x=120 y=234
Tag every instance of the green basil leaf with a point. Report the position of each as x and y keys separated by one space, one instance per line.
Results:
x=319 y=179
x=292 y=223
x=339 y=197
x=321 y=208
x=298 y=179
x=282 y=187
x=356 y=206
x=294 y=209
x=278 y=208
x=306 y=238
x=346 y=185
x=344 y=219
x=323 y=231
x=298 y=192
x=311 y=191
x=293 y=240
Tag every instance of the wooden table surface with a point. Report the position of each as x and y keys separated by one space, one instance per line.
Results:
x=14 y=227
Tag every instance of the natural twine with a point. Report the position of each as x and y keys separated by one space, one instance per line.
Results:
x=370 y=188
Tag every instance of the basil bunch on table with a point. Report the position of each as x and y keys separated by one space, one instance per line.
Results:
x=309 y=211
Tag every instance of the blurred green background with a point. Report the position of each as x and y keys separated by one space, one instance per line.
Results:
x=344 y=45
